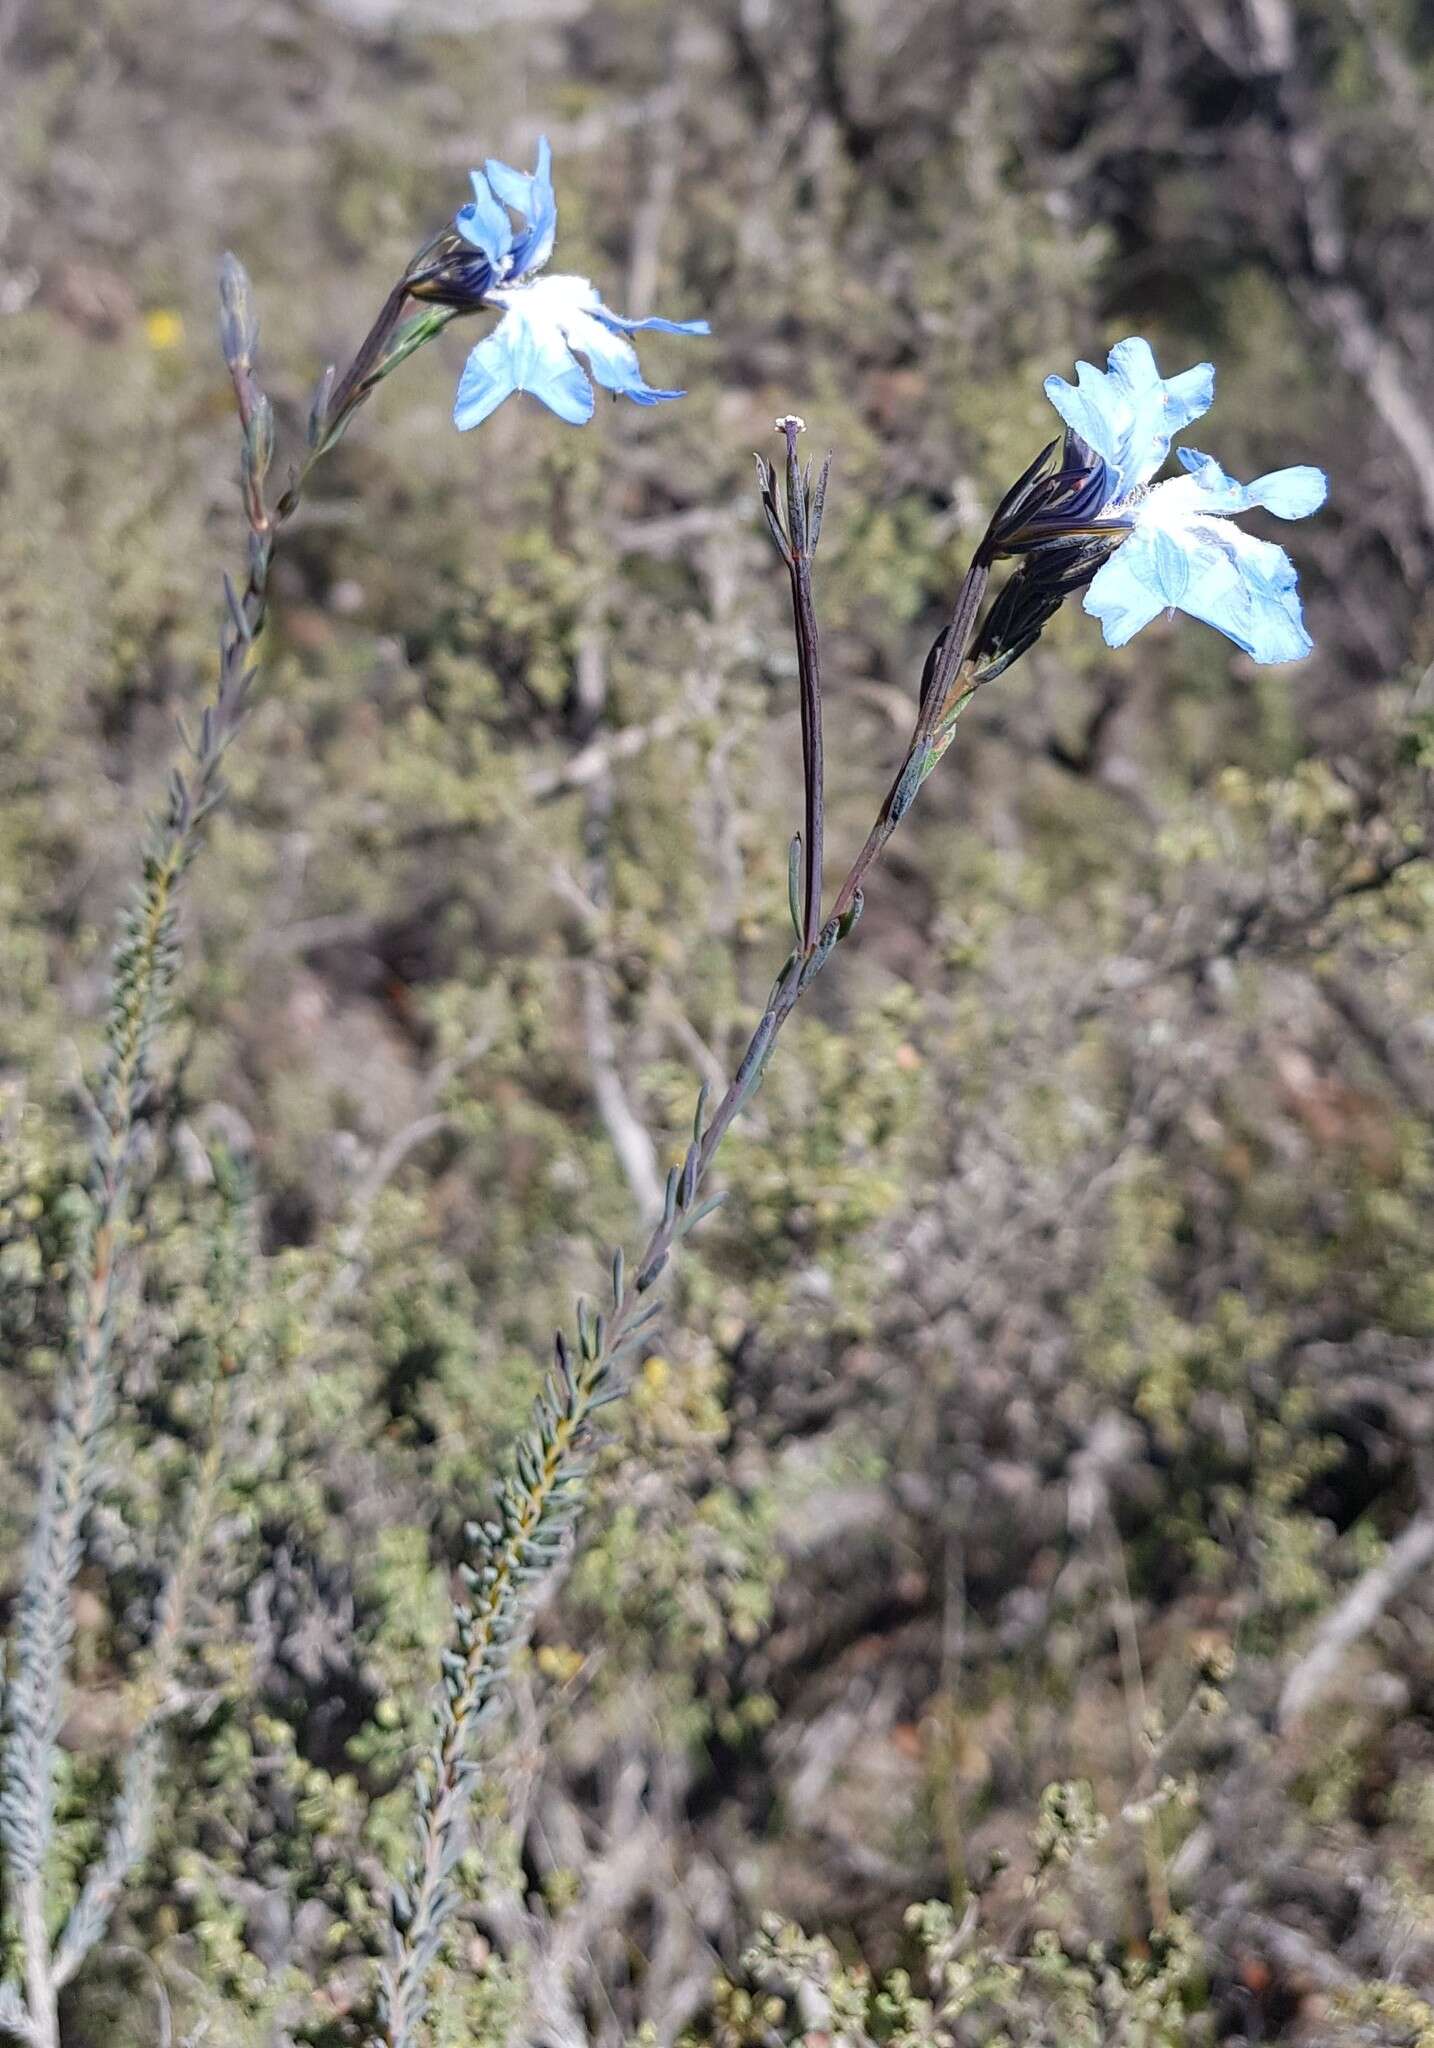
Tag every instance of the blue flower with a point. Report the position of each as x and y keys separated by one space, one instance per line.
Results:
x=1183 y=551
x=547 y=321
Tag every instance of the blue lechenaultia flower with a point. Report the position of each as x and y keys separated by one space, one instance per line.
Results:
x=1183 y=550
x=547 y=321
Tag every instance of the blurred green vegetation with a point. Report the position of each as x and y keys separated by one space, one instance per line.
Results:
x=1068 y=1333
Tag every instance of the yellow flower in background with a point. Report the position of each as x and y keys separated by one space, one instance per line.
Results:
x=163 y=328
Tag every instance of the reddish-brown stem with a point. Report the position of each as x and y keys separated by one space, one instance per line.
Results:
x=804 y=622
x=369 y=350
x=907 y=781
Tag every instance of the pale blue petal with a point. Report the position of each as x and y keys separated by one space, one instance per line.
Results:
x=614 y=361
x=1291 y=493
x=1288 y=493
x=534 y=199
x=484 y=223
x=1247 y=588
x=1120 y=597
x=653 y=322
x=649 y=394
x=1130 y=413
x=1131 y=364
x=486 y=381
x=1244 y=587
x=517 y=356
x=1188 y=396
x=1091 y=409
x=1170 y=566
x=1163 y=406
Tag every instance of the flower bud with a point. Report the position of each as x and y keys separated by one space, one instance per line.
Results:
x=238 y=322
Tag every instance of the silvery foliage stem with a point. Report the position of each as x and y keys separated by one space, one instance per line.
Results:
x=145 y=963
x=228 y=1281
x=511 y=1555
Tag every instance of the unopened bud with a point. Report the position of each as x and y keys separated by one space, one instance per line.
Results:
x=259 y=437
x=319 y=406
x=238 y=322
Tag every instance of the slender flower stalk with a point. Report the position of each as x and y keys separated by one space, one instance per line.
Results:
x=1063 y=523
x=145 y=963
x=478 y=261
x=796 y=548
x=536 y=1505
x=510 y=1555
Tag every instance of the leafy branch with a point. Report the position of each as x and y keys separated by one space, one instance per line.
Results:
x=510 y=1556
x=145 y=964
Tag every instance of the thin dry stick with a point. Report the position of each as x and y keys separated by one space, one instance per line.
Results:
x=1137 y=1709
x=1354 y=1616
x=803 y=533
